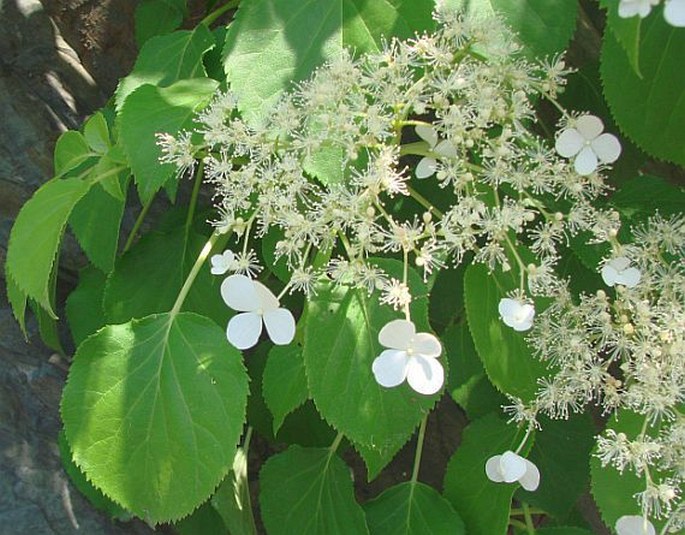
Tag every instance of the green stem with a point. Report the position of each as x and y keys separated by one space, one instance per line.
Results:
x=193 y=273
x=333 y=447
x=193 y=198
x=419 y=449
x=137 y=224
x=517 y=523
x=209 y=19
x=530 y=528
x=424 y=202
x=532 y=510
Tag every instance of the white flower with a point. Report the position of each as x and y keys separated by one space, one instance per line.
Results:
x=516 y=314
x=411 y=356
x=428 y=165
x=634 y=525
x=256 y=304
x=510 y=467
x=585 y=141
x=674 y=12
x=618 y=271
x=223 y=262
x=630 y=8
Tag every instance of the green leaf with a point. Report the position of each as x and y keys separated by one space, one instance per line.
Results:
x=639 y=198
x=544 y=27
x=272 y=43
x=85 y=487
x=508 y=361
x=341 y=342
x=412 y=509
x=84 y=305
x=561 y=452
x=47 y=326
x=614 y=492
x=149 y=276
x=96 y=133
x=483 y=505
x=467 y=382
x=71 y=151
x=111 y=174
x=166 y=59
x=376 y=458
x=204 y=521
x=309 y=492
x=153 y=410
x=157 y=17
x=17 y=300
x=626 y=31
x=150 y=110
x=95 y=221
x=650 y=110
x=232 y=499
x=35 y=238
x=562 y=530
x=284 y=384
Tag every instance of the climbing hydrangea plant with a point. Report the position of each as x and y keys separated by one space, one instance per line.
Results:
x=422 y=211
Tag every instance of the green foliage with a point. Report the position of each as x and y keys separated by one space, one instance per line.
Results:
x=149 y=110
x=272 y=43
x=561 y=452
x=483 y=505
x=232 y=499
x=71 y=151
x=309 y=491
x=563 y=530
x=649 y=109
x=84 y=305
x=627 y=33
x=412 y=509
x=506 y=357
x=166 y=400
x=341 y=342
x=284 y=384
x=157 y=17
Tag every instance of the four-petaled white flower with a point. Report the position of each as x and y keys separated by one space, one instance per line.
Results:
x=630 y=8
x=256 y=304
x=634 y=525
x=619 y=271
x=428 y=165
x=223 y=262
x=411 y=356
x=584 y=140
x=674 y=12
x=516 y=314
x=510 y=467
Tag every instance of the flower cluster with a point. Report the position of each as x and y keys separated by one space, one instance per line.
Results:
x=623 y=348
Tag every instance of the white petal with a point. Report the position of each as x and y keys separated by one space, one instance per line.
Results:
x=619 y=263
x=586 y=161
x=427 y=167
x=569 y=143
x=634 y=525
x=267 y=300
x=425 y=375
x=239 y=293
x=531 y=479
x=280 y=324
x=630 y=8
x=427 y=345
x=446 y=149
x=508 y=307
x=390 y=367
x=221 y=263
x=609 y=275
x=492 y=469
x=607 y=148
x=589 y=126
x=397 y=334
x=512 y=466
x=629 y=277
x=674 y=12
x=244 y=329
x=427 y=133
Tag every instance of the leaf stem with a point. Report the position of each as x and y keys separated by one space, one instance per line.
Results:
x=209 y=19
x=333 y=447
x=530 y=528
x=193 y=198
x=424 y=202
x=137 y=224
x=419 y=449
x=193 y=273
